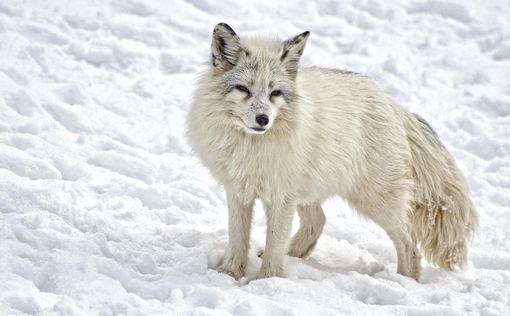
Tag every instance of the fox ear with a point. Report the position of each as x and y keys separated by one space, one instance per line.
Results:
x=292 y=49
x=225 y=47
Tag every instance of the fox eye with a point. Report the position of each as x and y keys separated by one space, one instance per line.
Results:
x=276 y=93
x=243 y=89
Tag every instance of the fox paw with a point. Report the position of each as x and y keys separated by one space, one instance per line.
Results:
x=269 y=271
x=299 y=252
x=232 y=267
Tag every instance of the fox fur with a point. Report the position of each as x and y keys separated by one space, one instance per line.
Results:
x=294 y=136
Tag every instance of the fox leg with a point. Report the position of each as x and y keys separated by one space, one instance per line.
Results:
x=312 y=221
x=279 y=224
x=239 y=223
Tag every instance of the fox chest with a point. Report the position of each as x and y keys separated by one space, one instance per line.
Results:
x=260 y=171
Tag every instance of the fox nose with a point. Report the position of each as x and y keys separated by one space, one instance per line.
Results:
x=262 y=119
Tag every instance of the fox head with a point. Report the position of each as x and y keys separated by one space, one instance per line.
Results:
x=256 y=76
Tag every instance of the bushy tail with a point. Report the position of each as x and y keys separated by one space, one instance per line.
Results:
x=443 y=217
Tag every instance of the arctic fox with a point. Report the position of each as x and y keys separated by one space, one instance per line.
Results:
x=292 y=137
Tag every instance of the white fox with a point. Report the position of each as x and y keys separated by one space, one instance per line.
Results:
x=293 y=136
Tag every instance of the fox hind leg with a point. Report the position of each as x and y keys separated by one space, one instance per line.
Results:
x=312 y=222
x=395 y=221
x=408 y=255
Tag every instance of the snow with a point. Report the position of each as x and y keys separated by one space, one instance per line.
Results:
x=104 y=210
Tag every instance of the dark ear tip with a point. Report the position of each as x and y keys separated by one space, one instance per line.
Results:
x=222 y=24
x=225 y=27
x=305 y=33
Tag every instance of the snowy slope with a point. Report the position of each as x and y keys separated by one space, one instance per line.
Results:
x=103 y=210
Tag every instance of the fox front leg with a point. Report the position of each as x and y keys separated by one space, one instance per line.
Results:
x=279 y=224
x=239 y=224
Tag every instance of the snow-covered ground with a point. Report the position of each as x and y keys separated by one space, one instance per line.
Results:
x=103 y=210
